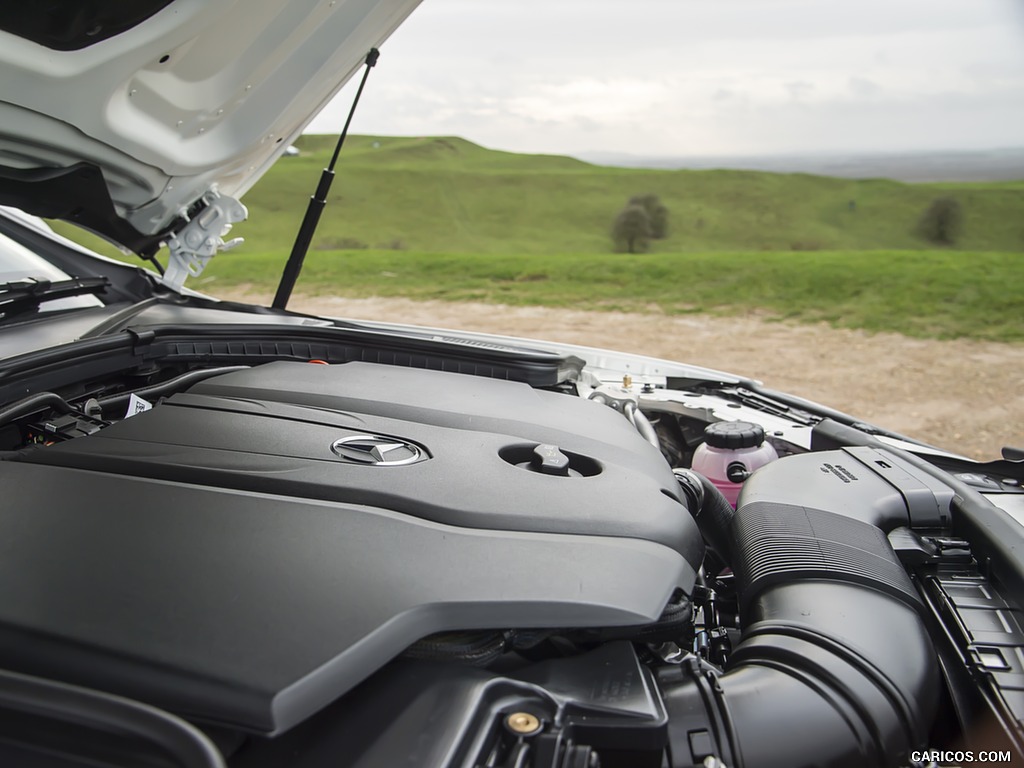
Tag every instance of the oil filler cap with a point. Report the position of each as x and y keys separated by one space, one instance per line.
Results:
x=549 y=460
x=733 y=434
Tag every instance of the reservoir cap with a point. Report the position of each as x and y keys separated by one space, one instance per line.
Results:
x=733 y=434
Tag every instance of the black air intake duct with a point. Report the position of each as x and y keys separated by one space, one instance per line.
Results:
x=834 y=668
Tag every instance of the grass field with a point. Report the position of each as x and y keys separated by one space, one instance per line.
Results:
x=442 y=218
x=918 y=293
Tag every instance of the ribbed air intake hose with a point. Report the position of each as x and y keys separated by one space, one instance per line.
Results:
x=834 y=666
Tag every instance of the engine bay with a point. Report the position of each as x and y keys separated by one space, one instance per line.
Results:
x=301 y=558
x=247 y=475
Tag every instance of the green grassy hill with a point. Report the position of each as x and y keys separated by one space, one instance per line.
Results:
x=442 y=218
x=450 y=195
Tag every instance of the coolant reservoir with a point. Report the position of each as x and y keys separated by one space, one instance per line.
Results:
x=730 y=452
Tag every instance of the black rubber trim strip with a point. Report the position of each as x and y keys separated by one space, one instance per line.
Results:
x=111 y=714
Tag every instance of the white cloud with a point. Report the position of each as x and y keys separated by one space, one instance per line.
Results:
x=718 y=76
x=612 y=100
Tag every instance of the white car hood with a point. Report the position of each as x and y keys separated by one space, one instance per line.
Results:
x=200 y=93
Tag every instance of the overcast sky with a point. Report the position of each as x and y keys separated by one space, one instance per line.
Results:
x=714 y=77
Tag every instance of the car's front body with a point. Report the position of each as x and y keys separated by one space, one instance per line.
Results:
x=235 y=535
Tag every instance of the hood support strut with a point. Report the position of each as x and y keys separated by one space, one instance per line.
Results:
x=317 y=203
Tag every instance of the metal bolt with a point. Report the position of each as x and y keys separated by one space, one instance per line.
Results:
x=523 y=723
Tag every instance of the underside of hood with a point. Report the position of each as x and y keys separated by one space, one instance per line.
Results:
x=121 y=117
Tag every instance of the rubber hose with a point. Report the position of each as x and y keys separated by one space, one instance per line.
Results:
x=178 y=382
x=33 y=403
x=712 y=511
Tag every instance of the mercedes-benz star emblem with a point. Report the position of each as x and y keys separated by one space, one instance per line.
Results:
x=377 y=451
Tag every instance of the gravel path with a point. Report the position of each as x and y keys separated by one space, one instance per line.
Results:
x=966 y=396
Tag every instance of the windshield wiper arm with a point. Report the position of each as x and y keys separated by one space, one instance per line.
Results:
x=27 y=295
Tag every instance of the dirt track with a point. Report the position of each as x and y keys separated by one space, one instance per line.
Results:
x=966 y=396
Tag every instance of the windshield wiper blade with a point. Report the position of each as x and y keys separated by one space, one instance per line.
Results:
x=27 y=295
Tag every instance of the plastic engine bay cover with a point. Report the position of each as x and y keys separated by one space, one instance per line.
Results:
x=249 y=550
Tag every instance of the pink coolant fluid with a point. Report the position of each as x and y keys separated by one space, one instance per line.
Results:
x=730 y=452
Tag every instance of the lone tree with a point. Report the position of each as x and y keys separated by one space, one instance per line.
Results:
x=657 y=214
x=942 y=221
x=631 y=232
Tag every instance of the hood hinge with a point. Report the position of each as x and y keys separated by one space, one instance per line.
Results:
x=192 y=247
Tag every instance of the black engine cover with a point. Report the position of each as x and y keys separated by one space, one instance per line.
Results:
x=273 y=429
x=224 y=557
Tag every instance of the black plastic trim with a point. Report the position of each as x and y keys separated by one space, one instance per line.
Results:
x=996 y=539
x=77 y=194
x=255 y=344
